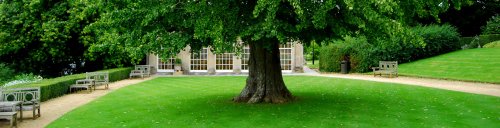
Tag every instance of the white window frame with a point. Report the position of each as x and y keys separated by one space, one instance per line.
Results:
x=244 y=62
x=291 y=59
x=172 y=63
x=223 y=64
x=199 y=60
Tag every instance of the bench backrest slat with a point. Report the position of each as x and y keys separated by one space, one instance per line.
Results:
x=144 y=68
x=21 y=94
x=388 y=65
x=98 y=76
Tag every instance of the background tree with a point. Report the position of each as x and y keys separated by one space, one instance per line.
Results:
x=166 y=27
x=468 y=19
x=492 y=26
x=44 y=36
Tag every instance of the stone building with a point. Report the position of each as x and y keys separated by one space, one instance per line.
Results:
x=207 y=63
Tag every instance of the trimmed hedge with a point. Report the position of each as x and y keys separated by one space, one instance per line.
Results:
x=438 y=40
x=494 y=44
x=55 y=87
x=356 y=50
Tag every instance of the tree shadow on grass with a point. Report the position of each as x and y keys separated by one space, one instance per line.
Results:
x=310 y=109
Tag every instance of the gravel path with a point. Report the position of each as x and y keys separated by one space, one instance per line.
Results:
x=461 y=86
x=55 y=108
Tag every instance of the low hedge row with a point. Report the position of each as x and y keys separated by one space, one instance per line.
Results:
x=55 y=87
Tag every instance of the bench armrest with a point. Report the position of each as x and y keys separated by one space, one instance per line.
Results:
x=375 y=68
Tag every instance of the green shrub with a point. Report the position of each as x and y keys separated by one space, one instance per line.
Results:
x=492 y=26
x=6 y=74
x=355 y=50
x=52 y=88
x=330 y=58
x=438 y=40
x=494 y=44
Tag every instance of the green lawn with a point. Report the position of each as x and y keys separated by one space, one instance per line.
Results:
x=482 y=65
x=322 y=102
x=313 y=66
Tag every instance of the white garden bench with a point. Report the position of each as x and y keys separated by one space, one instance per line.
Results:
x=100 y=78
x=29 y=98
x=140 y=70
x=92 y=79
x=80 y=84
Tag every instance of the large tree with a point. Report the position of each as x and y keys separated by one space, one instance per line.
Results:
x=165 y=27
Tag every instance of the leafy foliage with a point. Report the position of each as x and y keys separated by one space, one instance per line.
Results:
x=357 y=51
x=438 y=40
x=136 y=28
x=44 y=36
x=492 y=26
x=6 y=73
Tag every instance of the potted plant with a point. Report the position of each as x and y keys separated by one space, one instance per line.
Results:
x=177 y=64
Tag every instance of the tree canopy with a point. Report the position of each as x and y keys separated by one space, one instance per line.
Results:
x=166 y=27
x=48 y=31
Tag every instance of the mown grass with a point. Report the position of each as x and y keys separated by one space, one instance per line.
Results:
x=313 y=66
x=481 y=65
x=321 y=102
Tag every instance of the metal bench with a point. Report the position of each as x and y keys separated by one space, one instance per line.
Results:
x=389 y=68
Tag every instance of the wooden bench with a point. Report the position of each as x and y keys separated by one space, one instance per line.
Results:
x=389 y=68
x=12 y=116
x=99 y=78
x=140 y=70
x=29 y=98
x=82 y=84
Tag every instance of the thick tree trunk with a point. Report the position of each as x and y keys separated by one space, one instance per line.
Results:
x=264 y=82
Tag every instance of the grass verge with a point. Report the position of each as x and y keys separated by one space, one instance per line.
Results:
x=479 y=65
x=313 y=66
